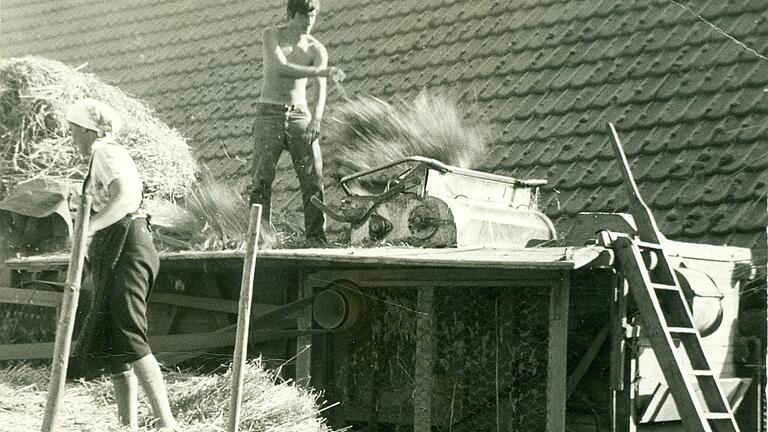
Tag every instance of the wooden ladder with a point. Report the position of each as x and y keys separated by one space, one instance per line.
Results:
x=667 y=319
x=668 y=325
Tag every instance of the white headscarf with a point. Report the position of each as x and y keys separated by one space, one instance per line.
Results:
x=94 y=115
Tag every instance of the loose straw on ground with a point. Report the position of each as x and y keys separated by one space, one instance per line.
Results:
x=244 y=317
x=67 y=316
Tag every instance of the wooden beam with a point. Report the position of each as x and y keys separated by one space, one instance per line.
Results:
x=558 y=350
x=544 y=258
x=165 y=343
x=424 y=374
x=304 y=322
x=31 y=351
x=416 y=277
x=53 y=299
x=30 y=297
x=586 y=361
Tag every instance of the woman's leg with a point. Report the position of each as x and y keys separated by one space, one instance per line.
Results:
x=126 y=389
x=151 y=380
x=134 y=277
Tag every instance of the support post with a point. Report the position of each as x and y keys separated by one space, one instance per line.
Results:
x=622 y=369
x=244 y=317
x=304 y=343
x=422 y=400
x=557 y=362
x=68 y=309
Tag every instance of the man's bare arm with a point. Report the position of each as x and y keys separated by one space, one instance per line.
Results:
x=275 y=57
x=320 y=59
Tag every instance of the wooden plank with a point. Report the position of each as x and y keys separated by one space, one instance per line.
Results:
x=30 y=297
x=623 y=390
x=567 y=258
x=618 y=317
x=557 y=356
x=586 y=360
x=647 y=229
x=662 y=407
x=424 y=376
x=31 y=351
x=304 y=322
x=165 y=343
x=544 y=258
x=446 y=276
x=53 y=299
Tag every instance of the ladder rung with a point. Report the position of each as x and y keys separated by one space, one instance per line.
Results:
x=682 y=330
x=646 y=245
x=717 y=416
x=703 y=373
x=668 y=287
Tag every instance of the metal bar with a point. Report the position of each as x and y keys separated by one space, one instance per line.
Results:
x=439 y=166
x=66 y=322
x=243 y=317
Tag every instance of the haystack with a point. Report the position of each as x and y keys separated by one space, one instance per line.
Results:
x=34 y=139
x=367 y=132
x=199 y=402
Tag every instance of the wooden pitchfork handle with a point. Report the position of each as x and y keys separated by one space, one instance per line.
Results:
x=66 y=323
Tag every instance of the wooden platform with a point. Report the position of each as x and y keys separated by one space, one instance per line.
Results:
x=544 y=258
x=547 y=269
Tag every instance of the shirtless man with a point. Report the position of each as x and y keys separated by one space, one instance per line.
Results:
x=283 y=118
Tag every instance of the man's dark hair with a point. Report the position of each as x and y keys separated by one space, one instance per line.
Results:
x=302 y=7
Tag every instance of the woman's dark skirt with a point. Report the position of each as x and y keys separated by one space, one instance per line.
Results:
x=123 y=264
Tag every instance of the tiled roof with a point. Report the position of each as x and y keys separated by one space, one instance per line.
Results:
x=689 y=102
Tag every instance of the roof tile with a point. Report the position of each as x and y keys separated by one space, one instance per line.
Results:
x=689 y=103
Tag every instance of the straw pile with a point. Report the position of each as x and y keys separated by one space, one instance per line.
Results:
x=212 y=216
x=34 y=137
x=199 y=402
x=368 y=132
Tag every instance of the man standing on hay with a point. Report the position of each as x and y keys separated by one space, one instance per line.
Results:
x=123 y=264
x=283 y=119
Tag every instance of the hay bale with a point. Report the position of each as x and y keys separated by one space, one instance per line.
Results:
x=268 y=403
x=367 y=132
x=199 y=402
x=34 y=136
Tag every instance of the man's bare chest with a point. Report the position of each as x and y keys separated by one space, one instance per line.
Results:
x=299 y=53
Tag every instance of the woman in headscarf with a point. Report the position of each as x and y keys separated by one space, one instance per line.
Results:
x=123 y=264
